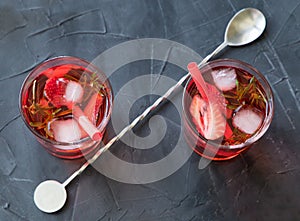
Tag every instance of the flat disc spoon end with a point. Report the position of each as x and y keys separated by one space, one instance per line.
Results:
x=50 y=196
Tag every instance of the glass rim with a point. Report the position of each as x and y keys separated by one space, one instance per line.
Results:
x=268 y=90
x=87 y=64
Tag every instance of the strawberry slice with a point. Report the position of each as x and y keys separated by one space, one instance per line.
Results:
x=208 y=118
x=55 y=90
x=92 y=108
x=195 y=111
x=207 y=111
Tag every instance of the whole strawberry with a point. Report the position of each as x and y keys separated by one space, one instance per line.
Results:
x=54 y=91
x=63 y=92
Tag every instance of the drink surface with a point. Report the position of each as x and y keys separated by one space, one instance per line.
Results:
x=50 y=99
x=240 y=98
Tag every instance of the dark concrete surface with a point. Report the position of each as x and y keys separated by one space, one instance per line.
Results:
x=261 y=184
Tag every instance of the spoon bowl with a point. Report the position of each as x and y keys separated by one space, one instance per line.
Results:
x=246 y=26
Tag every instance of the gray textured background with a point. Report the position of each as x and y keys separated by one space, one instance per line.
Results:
x=261 y=184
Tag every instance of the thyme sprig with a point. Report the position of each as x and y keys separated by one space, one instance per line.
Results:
x=41 y=115
x=239 y=137
x=246 y=94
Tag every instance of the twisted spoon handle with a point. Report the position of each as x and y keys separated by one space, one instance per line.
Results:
x=140 y=117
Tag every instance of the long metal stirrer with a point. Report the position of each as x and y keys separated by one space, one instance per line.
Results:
x=135 y=121
x=245 y=26
x=141 y=116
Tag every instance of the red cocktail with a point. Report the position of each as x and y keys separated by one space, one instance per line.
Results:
x=237 y=113
x=66 y=102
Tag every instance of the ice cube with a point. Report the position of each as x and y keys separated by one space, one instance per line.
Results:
x=74 y=92
x=247 y=120
x=225 y=79
x=66 y=130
